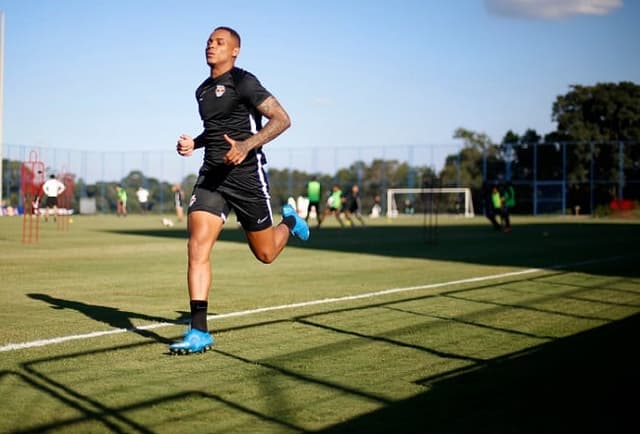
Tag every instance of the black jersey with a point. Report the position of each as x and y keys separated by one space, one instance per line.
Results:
x=353 y=203
x=227 y=105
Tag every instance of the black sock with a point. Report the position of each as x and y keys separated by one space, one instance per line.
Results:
x=290 y=221
x=199 y=314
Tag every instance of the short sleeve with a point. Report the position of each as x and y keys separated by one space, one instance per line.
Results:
x=250 y=89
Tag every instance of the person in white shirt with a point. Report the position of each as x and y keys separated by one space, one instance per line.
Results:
x=52 y=189
x=143 y=198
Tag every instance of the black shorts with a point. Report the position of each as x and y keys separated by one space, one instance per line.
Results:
x=51 y=201
x=244 y=191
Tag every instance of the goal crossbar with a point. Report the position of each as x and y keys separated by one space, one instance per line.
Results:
x=392 y=210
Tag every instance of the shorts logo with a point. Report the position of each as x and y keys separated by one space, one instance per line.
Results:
x=263 y=219
x=220 y=90
x=192 y=201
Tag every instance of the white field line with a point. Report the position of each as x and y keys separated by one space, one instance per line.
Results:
x=52 y=341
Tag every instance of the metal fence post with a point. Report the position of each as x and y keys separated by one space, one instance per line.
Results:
x=535 y=179
x=564 y=178
x=621 y=176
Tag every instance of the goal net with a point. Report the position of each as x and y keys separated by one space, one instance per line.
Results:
x=444 y=200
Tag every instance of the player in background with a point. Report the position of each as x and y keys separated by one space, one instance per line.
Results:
x=121 y=197
x=334 y=205
x=354 y=206
x=143 y=198
x=232 y=175
x=508 y=205
x=489 y=207
x=314 y=193
x=52 y=188
x=497 y=201
x=178 y=201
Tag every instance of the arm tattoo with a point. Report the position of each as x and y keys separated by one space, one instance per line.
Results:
x=278 y=122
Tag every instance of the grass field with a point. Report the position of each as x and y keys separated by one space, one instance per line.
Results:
x=373 y=330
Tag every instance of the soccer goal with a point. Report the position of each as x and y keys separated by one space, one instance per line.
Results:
x=449 y=200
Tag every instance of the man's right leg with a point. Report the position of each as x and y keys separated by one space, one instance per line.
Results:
x=204 y=229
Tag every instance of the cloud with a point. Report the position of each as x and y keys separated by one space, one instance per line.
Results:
x=551 y=9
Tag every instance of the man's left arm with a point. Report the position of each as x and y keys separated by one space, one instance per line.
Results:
x=278 y=122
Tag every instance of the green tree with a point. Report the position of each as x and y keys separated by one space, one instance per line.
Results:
x=605 y=112
x=597 y=118
x=465 y=169
x=510 y=138
x=523 y=148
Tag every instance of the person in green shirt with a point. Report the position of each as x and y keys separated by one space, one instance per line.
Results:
x=334 y=205
x=121 y=207
x=509 y=203
x=314 y=193
x=489 y=208
x=496 y=200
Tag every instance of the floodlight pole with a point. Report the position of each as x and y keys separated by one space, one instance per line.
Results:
x=1 y=96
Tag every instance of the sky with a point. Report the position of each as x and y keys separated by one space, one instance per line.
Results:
x=120 y=75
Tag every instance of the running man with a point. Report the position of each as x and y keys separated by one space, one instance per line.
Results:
x=232 y=176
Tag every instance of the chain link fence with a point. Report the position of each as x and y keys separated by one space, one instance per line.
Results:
x=548 y=177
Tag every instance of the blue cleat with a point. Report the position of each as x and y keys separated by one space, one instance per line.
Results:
x=301 y=228
x=194 y=341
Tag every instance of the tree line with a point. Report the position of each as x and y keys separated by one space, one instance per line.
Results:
x=592 y=119
x=594 y=151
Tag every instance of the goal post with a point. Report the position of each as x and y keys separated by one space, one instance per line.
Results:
x=451 y=200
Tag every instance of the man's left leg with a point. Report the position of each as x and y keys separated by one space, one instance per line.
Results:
x=267 y=244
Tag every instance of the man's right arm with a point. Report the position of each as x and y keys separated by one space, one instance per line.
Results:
x=199 y=141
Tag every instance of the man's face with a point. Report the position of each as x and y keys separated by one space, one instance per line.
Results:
x=221 y=48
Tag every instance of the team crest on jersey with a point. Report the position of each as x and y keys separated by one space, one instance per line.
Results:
x=220 y=90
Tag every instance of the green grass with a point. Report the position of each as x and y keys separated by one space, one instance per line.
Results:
x=532 y=331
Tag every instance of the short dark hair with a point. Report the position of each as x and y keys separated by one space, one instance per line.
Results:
x=234 y=34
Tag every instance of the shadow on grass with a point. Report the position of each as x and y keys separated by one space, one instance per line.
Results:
x=580 y=384
x=611 y=246
x=585 y=383
x=111 y=316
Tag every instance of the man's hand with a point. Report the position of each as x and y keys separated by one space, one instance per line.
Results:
x=185 y=145
x=237 y=153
